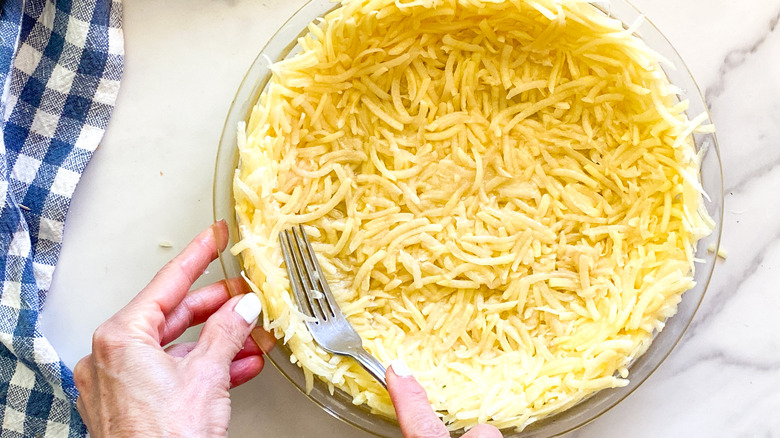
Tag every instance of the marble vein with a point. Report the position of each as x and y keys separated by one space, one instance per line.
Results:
x=736 y=58
x=722 y=357
x=756 y=173
x=722 y=290
x=719 y=297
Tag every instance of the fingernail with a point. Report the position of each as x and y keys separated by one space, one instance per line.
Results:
x=249 y=307
x=219 y=228
x=400 y=368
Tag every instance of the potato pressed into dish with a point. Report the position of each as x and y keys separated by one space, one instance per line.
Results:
x=505 y=194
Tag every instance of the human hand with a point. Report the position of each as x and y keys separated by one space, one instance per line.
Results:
x=415 y=414
x=131 y=386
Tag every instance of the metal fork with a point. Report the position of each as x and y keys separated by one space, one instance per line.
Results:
x=330 y=329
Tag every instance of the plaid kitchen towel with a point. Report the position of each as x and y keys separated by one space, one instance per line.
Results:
x=60 y=65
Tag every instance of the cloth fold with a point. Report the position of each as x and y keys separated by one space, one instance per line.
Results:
x=60 y=66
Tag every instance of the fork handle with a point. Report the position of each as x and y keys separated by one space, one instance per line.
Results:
x=371 y=364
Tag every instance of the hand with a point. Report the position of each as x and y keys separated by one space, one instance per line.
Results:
x=131 y=386
x=415 y=415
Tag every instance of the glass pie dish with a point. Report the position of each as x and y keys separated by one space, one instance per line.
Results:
x=284 y=44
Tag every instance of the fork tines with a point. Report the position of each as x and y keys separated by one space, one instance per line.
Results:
x=308 y=281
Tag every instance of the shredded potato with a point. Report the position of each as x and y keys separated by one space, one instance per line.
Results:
x=505 y=194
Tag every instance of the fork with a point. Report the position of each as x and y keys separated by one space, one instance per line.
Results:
x=330 y=329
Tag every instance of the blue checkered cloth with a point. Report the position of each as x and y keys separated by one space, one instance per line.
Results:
x=60 y=65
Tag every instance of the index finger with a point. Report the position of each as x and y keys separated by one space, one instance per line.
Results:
x=148 y=311
x=415 y=414
x=171 y=284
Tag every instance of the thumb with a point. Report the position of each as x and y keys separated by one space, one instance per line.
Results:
x=483 y=431
x=414 y=411
x=226 y=331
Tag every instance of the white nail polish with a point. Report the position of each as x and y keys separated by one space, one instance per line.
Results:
x=249 y=307
x=400 y=368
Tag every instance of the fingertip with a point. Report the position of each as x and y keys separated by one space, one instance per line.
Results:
x=226 y=331
x=250 y=349
x=171 y=284
x=483 y=431
x=265 y=340
x=400 y=378
x=399 y=368
x=415 y=414
x=221 y=234
x=237 y=286
x=405 y=390
x=249 y=307
x=245 y=369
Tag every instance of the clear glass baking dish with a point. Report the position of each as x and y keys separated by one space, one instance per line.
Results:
x=340 y=405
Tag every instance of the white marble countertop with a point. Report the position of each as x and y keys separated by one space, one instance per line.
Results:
x=151 y=178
